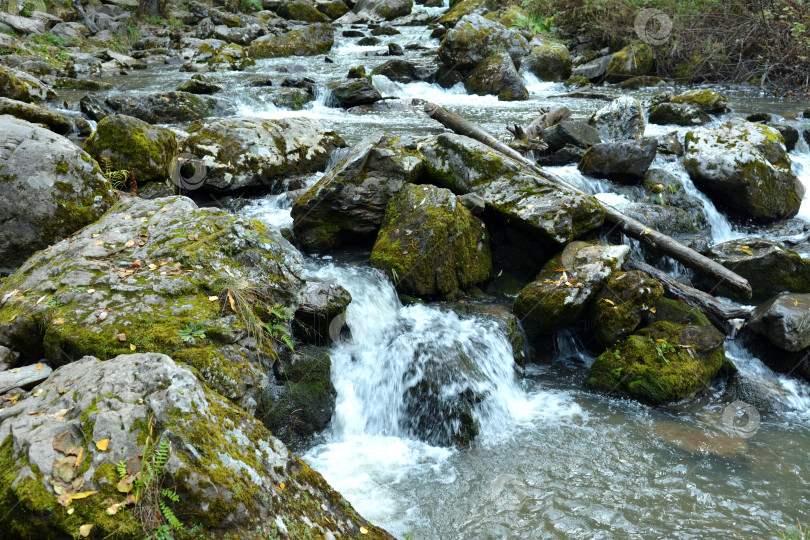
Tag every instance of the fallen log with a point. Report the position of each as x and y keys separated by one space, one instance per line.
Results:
x=661 y=242
x=719 y=313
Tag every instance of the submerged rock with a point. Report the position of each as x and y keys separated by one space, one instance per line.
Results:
x=252 y=152
x=122 y=142
x=566 y=285
x=162 y=276
x=347 y=205
x=661 y=363
x=768 y=266
x=430 y=243
x=49 y=189
x=498 y=76
x=744 y=167
x=506 y=321
x=511 y=191
x=353 y=92
x=65 y=456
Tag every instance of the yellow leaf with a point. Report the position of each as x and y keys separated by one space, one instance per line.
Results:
x=132 y=347
x=213 y=298
x=39 y=367
x=232 y=302
x=99 y=243
x=127 y=217
x=85 y=529
x=795 y=302
x=80 y=457
x=64 y=499
x=103 y=444
x=58 y=322
x=605 y=300
x=70 y=511
x=125 y=484
x=652 y=310
x=281 y=485
x=83 y=494
x=129 y=243
x=363 y=530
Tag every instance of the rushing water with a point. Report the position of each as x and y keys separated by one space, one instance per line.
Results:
x=552 y=460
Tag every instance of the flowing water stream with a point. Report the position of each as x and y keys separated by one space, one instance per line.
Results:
x=552 y=460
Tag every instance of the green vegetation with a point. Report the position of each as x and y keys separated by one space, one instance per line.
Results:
x=762 y=42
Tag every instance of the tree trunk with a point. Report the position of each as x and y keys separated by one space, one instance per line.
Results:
x=630 y=226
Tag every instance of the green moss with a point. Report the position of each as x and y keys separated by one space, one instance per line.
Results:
x=632 y=61
x=661 y=363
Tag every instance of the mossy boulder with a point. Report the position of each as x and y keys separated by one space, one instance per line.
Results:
x=632 y=61
x=199 y=84
x=680 y=114
x=430 y=243
x=548 y=62
x=459 y=9
x=570 y=131
x=314 y=318
x=667 y=309
x=707 y=101
x=620 y=306
x=37 y=114
x=310 y=40
x=622 y=161
x=661 y=363
x=497 y=75
x=164 y=108
x=126 y=143
x=149 y=275
x=21 y=86
x=769 y=267
x=244 y=153
x=290 y=98
x=621 y=119
x=301 y=10
x=334 y=9
x=301 y=401
x=386 y=10
x=511 y=191
x=347 y=205
x=214 y=55
x=232 y=477
x=745 y=168
x=405 y=71
x=474 y=38
x=566 y=285
x=49 y=189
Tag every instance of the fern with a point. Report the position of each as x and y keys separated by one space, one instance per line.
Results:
x=121 y=468
x=168 y=515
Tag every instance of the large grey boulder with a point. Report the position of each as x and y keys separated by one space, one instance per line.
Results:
x=744 y=167
x=23 y=377
x=510 y=189
x=593 y=70
x=21 y=86
x=680 y=114
x=548 y=62
x=252 y=152
x=570 y=132
x=621 y=119
x=566 y=285
x=49 y=189
x=623 y=161
x=233 y=478
x=474 y=38
x=161 y=276
x=347 y=205
x=784 y=320
x=164 y=108
x=122 y=142
x=309 y=40
x=353 y=92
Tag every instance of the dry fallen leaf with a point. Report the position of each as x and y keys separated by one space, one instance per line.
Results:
x=85 y=529
x=70 y=511
x=39 y=367
x=213 y=298
x=65 y=499
x=103 y=444
x=232 y=302
x=83 y=494
x=99 y=243
x=363 y=530
x=132 y=347
x=129 y=243
x=121 y=337
x=58 y=322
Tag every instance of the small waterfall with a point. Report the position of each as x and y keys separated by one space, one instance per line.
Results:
x=410 y=371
